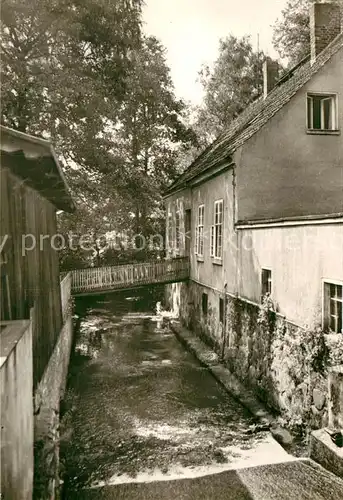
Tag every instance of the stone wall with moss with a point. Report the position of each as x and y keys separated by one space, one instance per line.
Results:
x=335 y=406
x=285 y=364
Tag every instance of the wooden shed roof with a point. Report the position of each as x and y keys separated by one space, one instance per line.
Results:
x=255 y=116
x=34 y=160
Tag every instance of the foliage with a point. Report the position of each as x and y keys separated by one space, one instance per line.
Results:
x=82 y=74
x=281 y=361
x=234 y=318
x=266 y=315
x=334 y=344
x=233 y=83
x=291 y=35
x=298 y=354
x=56 y=58
x=150 y=131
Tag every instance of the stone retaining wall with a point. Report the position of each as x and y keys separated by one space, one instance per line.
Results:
x=265 y=353
x=335 y=395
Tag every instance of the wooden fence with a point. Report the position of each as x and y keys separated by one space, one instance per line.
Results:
x=33 y=274
x=109 y=278
x=66 y=282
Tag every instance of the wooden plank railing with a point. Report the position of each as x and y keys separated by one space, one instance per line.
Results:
x=66 y=285
x=129 y=275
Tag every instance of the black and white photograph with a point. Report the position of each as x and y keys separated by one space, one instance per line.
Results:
x=171 y=250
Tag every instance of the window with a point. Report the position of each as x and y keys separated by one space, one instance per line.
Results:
x=177 y=230
x=200 y=231
x=221 y=310
x=321 y=112
x=188 y=226
x=333 y=307
x=204 y=304
x=212 y=241
x=217 y=231
x=266 y=279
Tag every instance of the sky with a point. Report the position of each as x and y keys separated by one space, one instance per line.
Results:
x=190 y=30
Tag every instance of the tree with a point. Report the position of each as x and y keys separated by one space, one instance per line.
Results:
x=82 y=74
x=233 y=83
x=291 y=36
x=86 y=233
x=149 y=133
x=59 y=59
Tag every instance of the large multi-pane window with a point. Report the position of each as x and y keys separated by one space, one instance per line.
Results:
x=217 y=231
x=333 y=310
x=200 y=231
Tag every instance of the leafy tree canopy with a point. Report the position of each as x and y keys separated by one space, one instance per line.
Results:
x=81 y=73
x=234 y=81
x=291 y=36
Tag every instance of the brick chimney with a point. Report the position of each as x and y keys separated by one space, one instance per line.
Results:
x=270 y=75
x=325 y=25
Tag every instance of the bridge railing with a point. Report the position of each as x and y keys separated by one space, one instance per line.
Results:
x=128 y=275
x=66 y=285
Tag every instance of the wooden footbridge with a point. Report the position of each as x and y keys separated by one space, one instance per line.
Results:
x=97 y=280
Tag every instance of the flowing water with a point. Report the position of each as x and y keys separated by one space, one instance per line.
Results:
x=139 y=407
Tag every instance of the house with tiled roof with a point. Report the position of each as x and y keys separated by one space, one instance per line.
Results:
x=260 y=211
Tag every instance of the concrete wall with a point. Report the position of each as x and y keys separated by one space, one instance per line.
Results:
x=30 y=428
x=185 y=300
x=47 y=397
x=282 y=170
x=208 y=270
x=16 y=411
x=299 y=258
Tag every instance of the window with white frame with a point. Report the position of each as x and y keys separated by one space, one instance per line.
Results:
x=200 y=231
x=333 y=310
x=321 y=112
x=217 y=231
